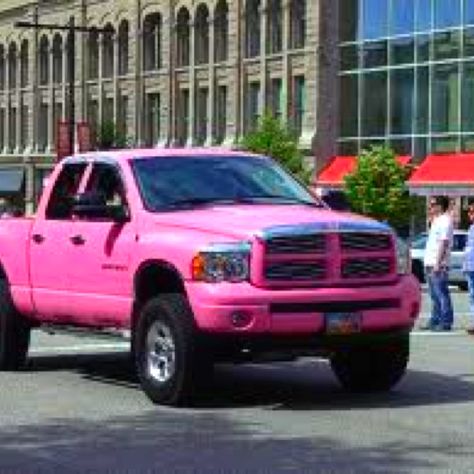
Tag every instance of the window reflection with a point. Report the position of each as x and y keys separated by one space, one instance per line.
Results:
x=348 y=19
x=402 y=50
x=349 y=105
x=374 y=54
x=374 y=106
x=467 y=103
x=423 y=48
x=375 y=19
x=422 y=104
x=403 y=17
x=468 y=12
x=402 y=95
x=447 y=45
x=423 y=15
x=445 y=95
x=447 y=13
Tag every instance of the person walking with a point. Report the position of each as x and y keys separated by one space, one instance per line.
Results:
x=436 y=262
x=468 y=265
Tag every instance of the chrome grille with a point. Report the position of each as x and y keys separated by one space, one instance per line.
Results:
x=287 y=271
x=297 y=244
x=365 y=267
x=365 y=242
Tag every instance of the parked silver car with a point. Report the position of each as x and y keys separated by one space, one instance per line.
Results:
x=456 y=276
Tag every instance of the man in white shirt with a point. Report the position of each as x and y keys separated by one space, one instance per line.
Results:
x=436 y=261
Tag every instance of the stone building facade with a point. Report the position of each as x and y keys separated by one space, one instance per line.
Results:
x=167 y=72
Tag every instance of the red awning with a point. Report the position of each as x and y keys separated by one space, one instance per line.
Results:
x=448 y=174
x=332 y=176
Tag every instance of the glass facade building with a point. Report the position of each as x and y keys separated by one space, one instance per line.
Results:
x=406 y=75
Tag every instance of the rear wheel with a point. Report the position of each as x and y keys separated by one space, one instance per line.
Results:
x=372 y=368
x=14 y=332
x=170 y=359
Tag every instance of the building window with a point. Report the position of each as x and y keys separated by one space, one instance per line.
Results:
x=402 y=92
x=275 y=98
x=43 y=127
x=445 y=98
x=183 y=39
x=12 y=62
x=349 y=105
x=221 y=28
x=275 y=26
x=152 y=122
x=374 y=19
x=24 y=60
x=93 y=119
x=108 y=109
x=152 y=42
x=202 y=35
x=122 y=122
x=201 y=115
x=374 y=104
x=182 y=117
x=348 y=20
x=12 y=129
x=44 y=61
x=299 y=100
x=93 y=55
x=24 y=126
x=123 y=48
x=447 y=13
x=220 y=114
x=252 y=28
x=57 y=59
x=108 y=51
x=252 y=106
x=2 y=67
x=297 y=23
x=57 y=117
x=403 y=17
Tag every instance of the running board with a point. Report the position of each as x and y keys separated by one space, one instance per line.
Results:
x=85 y=331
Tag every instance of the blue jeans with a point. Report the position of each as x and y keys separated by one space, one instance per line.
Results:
x=470 y=285
x=441 y=306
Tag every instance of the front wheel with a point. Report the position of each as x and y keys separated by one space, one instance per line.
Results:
x=169 y=356
x=14 y=332
x=372 y=368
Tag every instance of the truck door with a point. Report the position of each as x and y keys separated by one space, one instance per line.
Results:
x=100 y=281
x=50 y=243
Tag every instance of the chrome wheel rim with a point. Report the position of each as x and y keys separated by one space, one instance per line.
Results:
x=161 y=352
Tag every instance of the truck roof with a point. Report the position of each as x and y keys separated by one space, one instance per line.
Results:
x=127 y=154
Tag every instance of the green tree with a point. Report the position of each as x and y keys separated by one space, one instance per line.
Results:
x=109 y=137
x=272 y=138
x=377 y=187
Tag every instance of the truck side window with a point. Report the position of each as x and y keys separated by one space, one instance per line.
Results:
x=105 y=181
x=66 y=187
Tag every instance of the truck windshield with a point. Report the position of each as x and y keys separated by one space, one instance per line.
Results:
x=173 y=183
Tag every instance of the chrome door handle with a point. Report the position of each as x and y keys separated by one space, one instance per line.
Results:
x=77 y=240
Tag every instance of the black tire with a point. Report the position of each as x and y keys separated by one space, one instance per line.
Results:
x=14 y=332
x=372 y=368
x=170 y=316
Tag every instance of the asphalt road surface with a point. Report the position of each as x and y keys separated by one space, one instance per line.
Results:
x=78 y=408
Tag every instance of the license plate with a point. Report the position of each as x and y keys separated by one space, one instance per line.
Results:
x=343 y=323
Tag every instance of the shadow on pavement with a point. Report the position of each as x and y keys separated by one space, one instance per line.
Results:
x=306 y=385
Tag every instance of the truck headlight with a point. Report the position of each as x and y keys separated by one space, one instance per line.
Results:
x=403 y=257
x=222 y=262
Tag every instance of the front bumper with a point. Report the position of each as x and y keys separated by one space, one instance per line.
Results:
x=301 y=311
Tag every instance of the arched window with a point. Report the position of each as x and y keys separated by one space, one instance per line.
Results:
x=123 y=47
x=182 y=32
x=275 y=26
x=108 y=51
x=152 y=42
x=2 y=67
x=93 y=55
x=202 y=35
x=12 y=62
x=252 y=28
x=44 y=60
x=57 y=59
x=297 y=23
x=221 y=32
x=24 y=61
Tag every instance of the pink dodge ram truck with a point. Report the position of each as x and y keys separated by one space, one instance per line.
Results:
x=205 y=255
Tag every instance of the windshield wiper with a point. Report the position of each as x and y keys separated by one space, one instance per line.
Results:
x=195 y=202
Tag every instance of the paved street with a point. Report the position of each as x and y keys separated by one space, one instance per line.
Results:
x=78 y=408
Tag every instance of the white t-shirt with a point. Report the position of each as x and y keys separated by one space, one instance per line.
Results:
x=441 y=229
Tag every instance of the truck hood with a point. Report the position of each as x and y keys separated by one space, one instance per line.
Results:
x=246 y=221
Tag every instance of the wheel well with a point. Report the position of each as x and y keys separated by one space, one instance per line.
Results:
x=155 y=278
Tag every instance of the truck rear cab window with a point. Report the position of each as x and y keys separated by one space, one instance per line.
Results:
x=65 y=189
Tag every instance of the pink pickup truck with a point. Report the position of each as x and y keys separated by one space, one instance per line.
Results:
x=205 y=255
